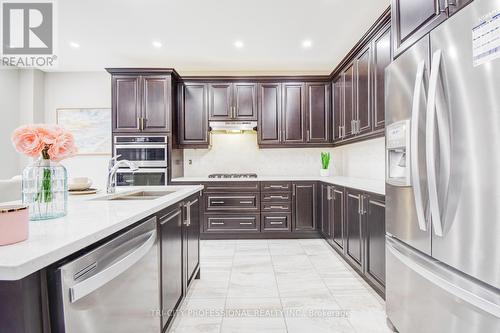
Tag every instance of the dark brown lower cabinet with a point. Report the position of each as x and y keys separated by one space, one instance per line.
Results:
x=171 y=261
x=337 y=224
x=192 y=236
x=276 y=221
x=180 y=253
x=326 y=210
x=304 y=206
x=357 y=230
x=354 y=237
x=374 y=267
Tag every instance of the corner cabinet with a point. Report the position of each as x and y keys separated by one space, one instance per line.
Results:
x=304 y=206
x=142 y=101
x=192 y=115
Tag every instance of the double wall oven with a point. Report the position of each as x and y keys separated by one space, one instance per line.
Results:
x=150 y=153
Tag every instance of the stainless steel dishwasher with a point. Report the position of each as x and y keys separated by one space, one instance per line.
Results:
x=114 y=288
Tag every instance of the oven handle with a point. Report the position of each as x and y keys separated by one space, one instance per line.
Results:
x=132 y=146
x=141 y=170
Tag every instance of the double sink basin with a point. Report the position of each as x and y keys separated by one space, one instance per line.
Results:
x=135 y=195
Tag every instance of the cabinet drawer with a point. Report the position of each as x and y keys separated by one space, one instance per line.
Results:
x=276 y=207
x=228 y=223
x=275 y=186
x=276 y=197
x=276 y=221
x=235 y=186
x=232 y=202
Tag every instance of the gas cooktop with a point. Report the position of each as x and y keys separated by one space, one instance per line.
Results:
x=233 y=175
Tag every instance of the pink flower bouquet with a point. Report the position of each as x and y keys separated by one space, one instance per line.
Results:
x=45 y=182
x=51 y=141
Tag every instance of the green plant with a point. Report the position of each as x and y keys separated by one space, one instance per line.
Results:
x=325 y=160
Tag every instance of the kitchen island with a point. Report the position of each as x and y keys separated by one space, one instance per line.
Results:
x=91 y=222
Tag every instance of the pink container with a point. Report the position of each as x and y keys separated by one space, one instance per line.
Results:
x=13 y=224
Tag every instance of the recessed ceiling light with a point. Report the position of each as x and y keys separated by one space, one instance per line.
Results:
x=157 y=44
x=238 y=44
x=74 y=45
x=307 y=43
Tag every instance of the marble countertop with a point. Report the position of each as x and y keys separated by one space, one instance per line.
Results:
x=87 y=222
x=369 y=185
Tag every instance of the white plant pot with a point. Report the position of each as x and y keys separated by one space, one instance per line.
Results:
x=324 y=172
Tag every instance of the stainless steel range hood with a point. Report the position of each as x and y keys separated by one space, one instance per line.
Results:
x=233 y=126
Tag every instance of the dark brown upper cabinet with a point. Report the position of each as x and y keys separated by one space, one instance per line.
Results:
x=294 y=128
x=411 y=19
x=304 y=206
x=141 y=99
x=338 y=107
x=156 y=103
x=193 y=114
x=362 y=122
x=348 y=96
x=318 y=112
x=232 y=101
x=127 y=110
x=269 y=110
x=245 y=101
x=381 y=59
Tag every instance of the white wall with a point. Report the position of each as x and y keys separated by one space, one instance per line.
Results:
x=235 y=153
x=79 y=90
x=9 y=109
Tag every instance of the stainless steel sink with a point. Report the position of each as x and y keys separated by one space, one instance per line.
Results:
x=135 y=195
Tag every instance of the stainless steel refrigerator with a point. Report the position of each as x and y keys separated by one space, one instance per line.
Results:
x=443 y=178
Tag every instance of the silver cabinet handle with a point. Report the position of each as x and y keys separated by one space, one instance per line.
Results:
x=275 y=222
x=217 y=223
x=109 y=273
x=277 y=197
x=139 y=123
x=246 y=202
x=294 y=189
x=278 y=186
x=217 y=202
x=246 y=223
x=414 y=147
x=308 y=134
x=277 y=207
x=359 y=205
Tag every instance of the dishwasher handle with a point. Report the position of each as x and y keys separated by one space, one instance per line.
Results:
x=109 y=273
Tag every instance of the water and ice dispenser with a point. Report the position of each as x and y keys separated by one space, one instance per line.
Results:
x=398 y=153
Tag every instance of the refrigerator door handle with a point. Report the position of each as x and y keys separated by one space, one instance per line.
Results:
x=419 y=266
x=435 y=101
x=414 y=148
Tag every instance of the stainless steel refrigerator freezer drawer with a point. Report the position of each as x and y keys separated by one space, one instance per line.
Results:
x=423 y=295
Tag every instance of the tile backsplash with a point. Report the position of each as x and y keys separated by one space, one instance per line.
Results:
x=239 y=153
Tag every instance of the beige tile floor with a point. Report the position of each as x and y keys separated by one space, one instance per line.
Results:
x=270 y=286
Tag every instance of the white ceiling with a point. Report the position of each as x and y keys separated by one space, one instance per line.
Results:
x=198 y=35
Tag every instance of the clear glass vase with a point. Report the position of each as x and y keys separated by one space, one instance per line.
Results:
x=45 y=189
